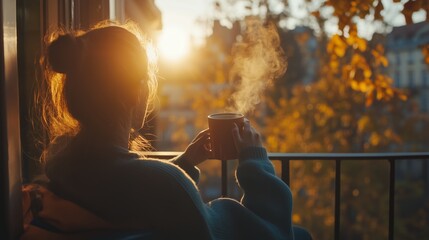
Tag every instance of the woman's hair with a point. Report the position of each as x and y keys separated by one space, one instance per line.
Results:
x=90 y=79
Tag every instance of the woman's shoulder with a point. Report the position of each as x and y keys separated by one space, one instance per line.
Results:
x=153 y=171
x=160 y=180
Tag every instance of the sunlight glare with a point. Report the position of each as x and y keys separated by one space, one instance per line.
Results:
x=173 y=43
x=152 y=54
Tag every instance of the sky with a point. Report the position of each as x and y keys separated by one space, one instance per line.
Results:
x=180 y=20
x=183 y=14
x=180 y=23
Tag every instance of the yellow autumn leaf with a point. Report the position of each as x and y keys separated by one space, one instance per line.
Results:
x=296 y=114
x=334 y=64
x=380 y=94
x=369 y=99
x=367 y=73
x=363 y=86
x=339 y=51
x=352 y=73
x=338 y=46
x=361 y=43
x=389 y=92
x=384 y=61
x=362 y=123
x=272 y=142
x=296 y=218
x=350 y=40
x=354 y=84
x=374 y=139
x=403 y=97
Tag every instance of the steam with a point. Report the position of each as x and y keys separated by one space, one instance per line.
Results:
x=258 y=59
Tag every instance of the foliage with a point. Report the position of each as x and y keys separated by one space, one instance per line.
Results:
x=352 y=107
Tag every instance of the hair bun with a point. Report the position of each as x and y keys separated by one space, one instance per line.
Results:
x=63 y=53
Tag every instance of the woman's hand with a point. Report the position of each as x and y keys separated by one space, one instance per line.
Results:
x=246 y=137
x=198 y=150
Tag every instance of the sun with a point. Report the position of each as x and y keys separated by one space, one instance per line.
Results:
x=173 y=43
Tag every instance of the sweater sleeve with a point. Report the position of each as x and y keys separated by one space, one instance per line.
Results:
x=265 y=194
x=192 y=171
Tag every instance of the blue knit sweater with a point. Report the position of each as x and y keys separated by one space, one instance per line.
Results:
x=162 y=197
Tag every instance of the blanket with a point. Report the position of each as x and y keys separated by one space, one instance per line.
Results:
x=49 y=217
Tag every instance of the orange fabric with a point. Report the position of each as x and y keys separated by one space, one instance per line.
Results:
x=36 y=233
x=33 y=232
x=60 y=213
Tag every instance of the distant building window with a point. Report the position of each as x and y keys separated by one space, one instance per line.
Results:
x=410 y=58
x=425 y=78
x=411 y=82
x=424 y=35
x=392 y=59
x=424 y=102
x=398 y=59
x=397 y=78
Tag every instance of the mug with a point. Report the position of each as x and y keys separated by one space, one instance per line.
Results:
x=220 y=127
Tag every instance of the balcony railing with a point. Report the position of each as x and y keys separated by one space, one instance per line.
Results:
x=285 y=159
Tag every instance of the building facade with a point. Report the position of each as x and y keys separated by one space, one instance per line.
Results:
x=406 y=61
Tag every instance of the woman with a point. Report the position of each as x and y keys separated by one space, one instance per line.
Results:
x=100 y=84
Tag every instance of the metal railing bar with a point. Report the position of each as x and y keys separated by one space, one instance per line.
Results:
x=392 y=182
x=349 y=156
x=285 y=174
x=224 y=180
x=320 y=156
x=337 y=207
